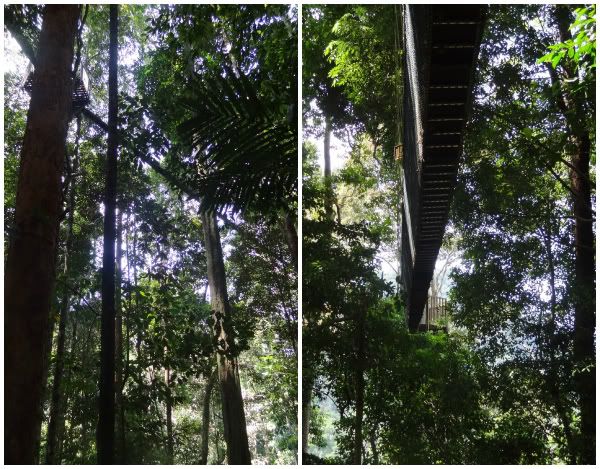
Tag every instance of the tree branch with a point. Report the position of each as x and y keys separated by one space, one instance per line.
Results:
x=558 y=178
x=95 y=119
x=573 y=168
x=150 y=161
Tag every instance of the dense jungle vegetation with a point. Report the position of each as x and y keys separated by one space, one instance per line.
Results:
x=150 y=234
x=513 y=379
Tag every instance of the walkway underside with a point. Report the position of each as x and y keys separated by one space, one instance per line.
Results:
x=442 y=44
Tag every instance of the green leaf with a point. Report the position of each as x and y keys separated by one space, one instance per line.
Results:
x=556 y=59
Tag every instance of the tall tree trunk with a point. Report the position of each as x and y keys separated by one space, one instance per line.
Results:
x=329 y=196
x=234 y=420
x=119 y=410
x=128 y=310
x=206 y=417
x=30 y=265
x=585 y=316
x=359 y=377
x=56 y=419
x=138 y=338
x=169 y=408
x=106 y=412
x=585 y=268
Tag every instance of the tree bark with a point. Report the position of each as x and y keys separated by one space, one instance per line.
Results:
x=234 y=420
x=585 y=315
x=206 y=417
x=56 y=419
x=119 y=410
x=30 y=266
x=585 y=268
x=106 y=411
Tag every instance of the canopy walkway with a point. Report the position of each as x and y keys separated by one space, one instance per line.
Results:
x=441 y=44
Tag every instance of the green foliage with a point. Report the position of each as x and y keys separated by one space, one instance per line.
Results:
x=221 y=91
x=264 y=291
x=14 y=130
x=582 y=47
x=246 y=147
x=321 y=99
x=498 y=388
x=163 y=291
x=365 y=62
x=424 y=398
x=514 y=291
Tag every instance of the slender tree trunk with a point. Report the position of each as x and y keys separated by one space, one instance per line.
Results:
x=220 y=457
x=56 y=419
x=47 y=353
x=206 y=417
x=585 y=307
x=338 y=212
x=234 y=420
x=585 y=268
x=69 y=432
x=359 y=376
x=119 y=411
x=169 y=407
x=106 y=412
x=128 y=310
x=30 y=265
x=327 y=148
x=373 y=442
x=553 y=374
x=67 y=373
x=15 y=29
x=138 y=339
x=329 y=198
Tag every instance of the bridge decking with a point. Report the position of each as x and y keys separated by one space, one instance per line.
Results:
x=441 y=44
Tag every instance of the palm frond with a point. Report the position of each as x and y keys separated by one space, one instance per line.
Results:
x=245 y=148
